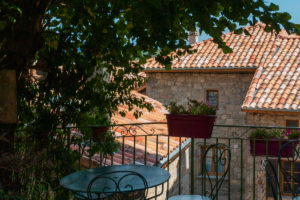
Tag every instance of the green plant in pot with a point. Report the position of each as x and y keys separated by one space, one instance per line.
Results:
x=104 y=146
x=102 y=141
x=269 y=141
x=94 y=125
x=293 y=134
x=196 y=121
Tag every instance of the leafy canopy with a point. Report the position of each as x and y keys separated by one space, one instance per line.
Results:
x=78 y=60
x=92 y=50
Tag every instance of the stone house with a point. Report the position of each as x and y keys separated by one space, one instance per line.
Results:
x=257 y=84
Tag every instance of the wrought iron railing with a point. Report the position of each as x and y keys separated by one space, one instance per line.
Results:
x=149 y=144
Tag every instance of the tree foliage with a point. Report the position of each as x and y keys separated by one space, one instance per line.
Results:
x=92 y=51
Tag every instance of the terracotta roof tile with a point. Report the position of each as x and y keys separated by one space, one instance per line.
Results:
x=276 y=58
x=281 y=75
x=157 y=115
x=248 y=51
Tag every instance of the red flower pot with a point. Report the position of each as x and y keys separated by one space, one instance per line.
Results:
x=196 y=126
x=99 y=131
x=274 y=146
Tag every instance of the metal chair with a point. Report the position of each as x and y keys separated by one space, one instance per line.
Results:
x=288 y=155
x=271 y=172
x=116 y=187
x=222 y=159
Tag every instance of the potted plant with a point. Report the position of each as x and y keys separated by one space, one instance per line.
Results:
x=196 y=121
x=99 y=131
x=96 y=127
x=99 y=125
x=268 y=142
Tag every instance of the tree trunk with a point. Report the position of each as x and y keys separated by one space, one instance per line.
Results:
x=8 y=120
x=23 y=41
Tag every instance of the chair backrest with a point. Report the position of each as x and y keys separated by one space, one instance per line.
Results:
x=272 y=182
x=289 y=153
x=221 y=159
x=120 y=185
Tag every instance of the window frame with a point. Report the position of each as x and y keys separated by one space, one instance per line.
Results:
x=213 y=172
x=207 y=97
x=291 y=120
x=282 y=179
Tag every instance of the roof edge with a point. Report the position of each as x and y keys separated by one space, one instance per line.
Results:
x=211 y=69
x=174 y=154
x=270 y=110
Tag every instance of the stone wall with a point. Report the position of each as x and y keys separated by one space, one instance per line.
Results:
x=232 y=87
x=174 y=166
x=271 y=119
x=260 y=180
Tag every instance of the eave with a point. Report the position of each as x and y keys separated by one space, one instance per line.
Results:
x=203 y=70
x=271 y=111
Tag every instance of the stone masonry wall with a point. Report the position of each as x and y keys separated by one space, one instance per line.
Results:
x=260 y=180
x=232 y=87
x=174 y=166
x=167 y=87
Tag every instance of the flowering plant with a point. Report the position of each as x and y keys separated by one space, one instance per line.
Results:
x=194 y=108
x=275 y=133
x=266 y=134
x=292 y=133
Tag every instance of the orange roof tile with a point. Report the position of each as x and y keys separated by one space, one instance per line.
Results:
x=278 y=91
x=151 y=130
x=278 y=88
x=275 y=57
x=248 y=52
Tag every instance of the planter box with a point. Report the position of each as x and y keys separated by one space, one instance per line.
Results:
x=274 y=146
x=195 y=126
x=99 y=131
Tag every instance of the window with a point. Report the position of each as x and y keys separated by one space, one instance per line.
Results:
x=292 y=123
x=212 y=97
x=212 y=167
x=287 y=183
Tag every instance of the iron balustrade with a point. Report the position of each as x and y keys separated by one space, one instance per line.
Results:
x=245 y=178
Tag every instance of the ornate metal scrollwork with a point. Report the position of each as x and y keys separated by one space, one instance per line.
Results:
x=272 y=179
x=289 y=154
x=117 y=186
x=133 y=130
x=222 y=160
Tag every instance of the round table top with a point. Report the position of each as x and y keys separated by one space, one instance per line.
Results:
x=79 y=181
x=189 y=197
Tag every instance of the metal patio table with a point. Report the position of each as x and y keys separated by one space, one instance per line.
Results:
x=78 y=182
x=189 y=197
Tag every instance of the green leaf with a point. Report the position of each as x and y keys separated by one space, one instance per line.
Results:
x=274 y=7
x=91 y=13
x=142 y=60
x=2 y=24
x=246 y=32
x=284 y=16
x=238 y=31
x=130 y=25
x=268 y=29
x=227 y=50
x=53 y=44
x=168 y=66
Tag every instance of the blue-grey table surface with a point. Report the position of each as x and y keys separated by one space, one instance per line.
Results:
x=79 y=181
x=189 y=197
